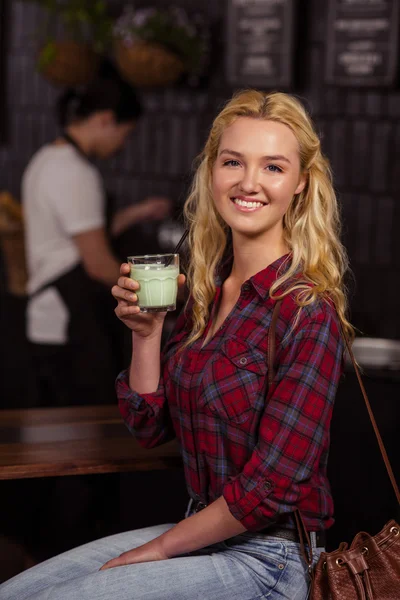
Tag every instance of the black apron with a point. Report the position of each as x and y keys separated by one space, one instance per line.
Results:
x=83 y=370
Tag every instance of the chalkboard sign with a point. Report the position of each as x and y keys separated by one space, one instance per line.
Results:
x=259 y=45
x=362 y=46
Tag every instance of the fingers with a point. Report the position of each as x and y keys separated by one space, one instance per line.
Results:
x=128 y=283
x=181 y=279
x=125 y=289
x=125 y=310
x=125 y=269
x=121 y=293
x=115 y=562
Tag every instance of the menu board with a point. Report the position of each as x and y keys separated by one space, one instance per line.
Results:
x=362 y=48
x=259 y=44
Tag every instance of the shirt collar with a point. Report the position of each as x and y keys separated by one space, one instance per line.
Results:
x=263 y=280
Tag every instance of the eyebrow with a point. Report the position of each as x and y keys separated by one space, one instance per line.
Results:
x=269 y=157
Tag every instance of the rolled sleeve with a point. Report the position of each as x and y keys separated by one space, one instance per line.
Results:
x=294 y=428
x=146 y=415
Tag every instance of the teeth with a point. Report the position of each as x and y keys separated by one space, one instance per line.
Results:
x=248 y=204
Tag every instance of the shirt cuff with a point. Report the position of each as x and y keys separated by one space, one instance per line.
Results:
x=141 y=403
x=243 y=505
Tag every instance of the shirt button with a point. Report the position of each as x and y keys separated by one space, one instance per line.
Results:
x=246 y=287
x=243 y=361
x=268 y=485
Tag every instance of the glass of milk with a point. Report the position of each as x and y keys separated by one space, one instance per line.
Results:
x=157 y=275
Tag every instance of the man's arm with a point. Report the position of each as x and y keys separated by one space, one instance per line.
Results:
x=96 y=256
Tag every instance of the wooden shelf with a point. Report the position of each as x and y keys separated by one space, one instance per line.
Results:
x=74 y=441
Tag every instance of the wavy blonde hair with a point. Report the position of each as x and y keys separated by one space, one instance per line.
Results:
x=311 y=226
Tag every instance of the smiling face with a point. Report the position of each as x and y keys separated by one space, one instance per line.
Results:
x=255 y=176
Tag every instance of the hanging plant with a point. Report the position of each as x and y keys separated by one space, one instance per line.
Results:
x=156 y=47
x=73 y=59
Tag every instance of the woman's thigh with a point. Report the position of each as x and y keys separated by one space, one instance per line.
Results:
x=75 y=575
x=77 y=563
x=240 y=569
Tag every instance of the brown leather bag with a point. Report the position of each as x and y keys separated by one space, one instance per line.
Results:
x=370 y=568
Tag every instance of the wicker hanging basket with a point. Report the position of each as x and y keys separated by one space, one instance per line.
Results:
x=71 y=64
x=146 y=64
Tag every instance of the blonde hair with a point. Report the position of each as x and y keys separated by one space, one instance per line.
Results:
x=311 y=225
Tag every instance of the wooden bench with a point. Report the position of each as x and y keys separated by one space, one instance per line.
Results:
x=76 y=440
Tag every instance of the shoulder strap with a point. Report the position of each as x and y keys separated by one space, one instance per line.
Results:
x=272 y=343
x=371 y=416
x=271 y=375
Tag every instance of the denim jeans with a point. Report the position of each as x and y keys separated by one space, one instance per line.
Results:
x=246 y=567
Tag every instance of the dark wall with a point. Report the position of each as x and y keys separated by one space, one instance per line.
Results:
x=360 y=130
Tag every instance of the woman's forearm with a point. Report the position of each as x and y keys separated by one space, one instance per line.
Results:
x=144 y=371
x=213 y=524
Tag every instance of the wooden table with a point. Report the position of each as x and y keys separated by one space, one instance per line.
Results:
x=76 y=440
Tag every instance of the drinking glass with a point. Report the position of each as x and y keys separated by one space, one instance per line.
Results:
x=157 y=275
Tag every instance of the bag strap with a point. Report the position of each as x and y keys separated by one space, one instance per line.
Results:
x=371 y=416
x=272 y=342
x=271 y=375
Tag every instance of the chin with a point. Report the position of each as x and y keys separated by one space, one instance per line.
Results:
x=252 y=232
x=248 y=233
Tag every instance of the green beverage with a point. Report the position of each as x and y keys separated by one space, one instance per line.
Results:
x=158 y=279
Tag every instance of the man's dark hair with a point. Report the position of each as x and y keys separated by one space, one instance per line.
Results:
x=108 y=91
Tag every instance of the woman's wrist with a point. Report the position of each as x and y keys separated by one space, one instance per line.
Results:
x=149 y=338
x=144 y=372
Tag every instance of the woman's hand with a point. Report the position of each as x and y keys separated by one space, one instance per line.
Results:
x=147 y=553
x=143 y=324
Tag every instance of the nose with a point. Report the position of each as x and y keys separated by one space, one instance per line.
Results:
x=249 y=182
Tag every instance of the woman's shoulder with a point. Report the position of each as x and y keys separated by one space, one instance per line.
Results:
x=295 y=319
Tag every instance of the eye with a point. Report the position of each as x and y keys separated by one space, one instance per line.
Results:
x=231 y=163
x=274 y=169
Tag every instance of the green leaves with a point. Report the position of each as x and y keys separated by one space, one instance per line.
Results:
x=84 y=20
x=169 y=28
x=47 y=55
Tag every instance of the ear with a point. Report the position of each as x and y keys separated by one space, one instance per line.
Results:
x=302 y=182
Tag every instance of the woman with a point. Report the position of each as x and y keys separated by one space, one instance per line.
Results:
x=70 y=260
x=263 y=225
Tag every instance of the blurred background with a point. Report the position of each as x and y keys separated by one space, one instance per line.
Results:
x=341 y=59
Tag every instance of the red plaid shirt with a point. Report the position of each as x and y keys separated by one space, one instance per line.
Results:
x=265 y=450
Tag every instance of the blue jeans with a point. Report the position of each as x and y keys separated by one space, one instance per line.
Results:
x=246 y=567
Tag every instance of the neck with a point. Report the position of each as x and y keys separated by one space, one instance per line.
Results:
x=79 y=135
x=251 y=255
